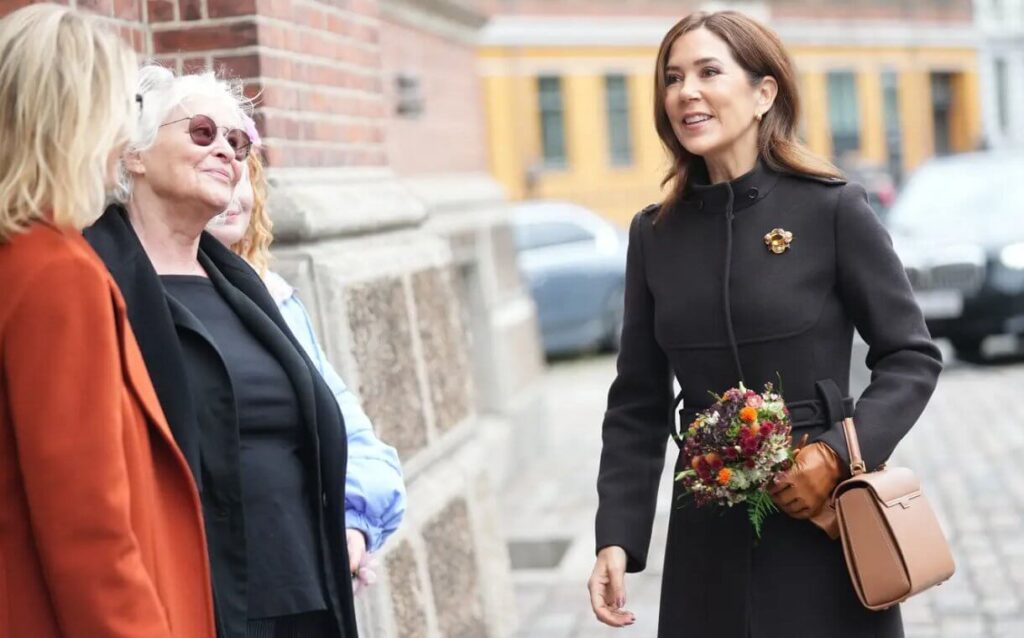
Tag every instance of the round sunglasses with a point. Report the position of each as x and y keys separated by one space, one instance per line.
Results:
x=203 y=131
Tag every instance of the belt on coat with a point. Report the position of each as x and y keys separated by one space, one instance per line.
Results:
x=802 y=414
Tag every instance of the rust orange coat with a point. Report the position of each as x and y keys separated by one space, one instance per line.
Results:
x=101 y=534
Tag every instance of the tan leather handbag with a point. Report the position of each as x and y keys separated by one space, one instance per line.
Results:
x=893 y=544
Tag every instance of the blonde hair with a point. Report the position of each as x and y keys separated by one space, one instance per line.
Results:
x=66 y=103
x=254 y=246
x=162 y=91
x=760 y=53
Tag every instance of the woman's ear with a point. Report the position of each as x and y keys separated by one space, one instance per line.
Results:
x=133 y=163
x=767 y=90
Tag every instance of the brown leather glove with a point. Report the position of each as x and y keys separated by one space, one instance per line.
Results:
x=804 y=490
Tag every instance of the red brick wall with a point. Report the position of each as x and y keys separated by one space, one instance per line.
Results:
x=124 y=15
x=315 y=65
x=321 y=70
x=449 y=135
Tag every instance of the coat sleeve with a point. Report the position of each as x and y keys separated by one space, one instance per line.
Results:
x=62 y=362
x=635 y=427
x=374 y=486
x=877 y=296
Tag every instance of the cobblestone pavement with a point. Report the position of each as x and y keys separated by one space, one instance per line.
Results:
x=966 y=449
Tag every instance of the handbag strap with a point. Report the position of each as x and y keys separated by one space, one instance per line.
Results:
x=853 y=446
x=836 y=407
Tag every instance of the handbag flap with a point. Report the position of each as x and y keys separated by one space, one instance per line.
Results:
x=891 y=486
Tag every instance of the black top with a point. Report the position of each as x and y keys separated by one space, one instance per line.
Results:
x=707 y=302
x=280 y=541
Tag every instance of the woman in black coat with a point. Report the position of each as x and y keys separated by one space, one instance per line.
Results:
x=759 y=264
x=258 y=426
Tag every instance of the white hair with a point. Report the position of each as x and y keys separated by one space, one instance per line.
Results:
x=162 y=91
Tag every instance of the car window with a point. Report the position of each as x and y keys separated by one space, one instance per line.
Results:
x=542 y=234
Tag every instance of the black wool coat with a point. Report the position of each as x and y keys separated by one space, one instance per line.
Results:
x=151 y=314
x=708 y=302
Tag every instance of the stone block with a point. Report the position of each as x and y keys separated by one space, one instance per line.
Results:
x=320 y=203
x=454 y=576
x=441 y=331
x=505 y=261
x=407 y=593
x=382 y=345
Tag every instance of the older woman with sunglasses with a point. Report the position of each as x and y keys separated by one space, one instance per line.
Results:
x=256 y=422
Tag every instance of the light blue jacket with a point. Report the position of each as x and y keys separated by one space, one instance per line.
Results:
x=374 y=489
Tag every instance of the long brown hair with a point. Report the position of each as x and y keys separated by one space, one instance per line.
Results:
x=254 y=246
x=759 y=52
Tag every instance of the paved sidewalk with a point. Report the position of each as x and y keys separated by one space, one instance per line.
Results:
x=966 y=449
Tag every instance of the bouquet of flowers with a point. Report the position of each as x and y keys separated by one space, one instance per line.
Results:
x=735 y=449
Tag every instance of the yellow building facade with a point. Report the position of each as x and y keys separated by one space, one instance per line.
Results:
x=893 y=100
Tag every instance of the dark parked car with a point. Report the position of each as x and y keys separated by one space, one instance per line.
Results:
x=574 y=262
x=959 y=227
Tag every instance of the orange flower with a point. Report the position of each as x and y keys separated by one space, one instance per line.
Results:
x=724 y=475
x=748 y=414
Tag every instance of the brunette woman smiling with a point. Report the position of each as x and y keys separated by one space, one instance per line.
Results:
x=758 y=264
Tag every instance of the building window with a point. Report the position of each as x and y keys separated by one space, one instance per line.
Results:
x=620 y=146
x=893 y=133
x=843 y=113
x=552 y=121
x=942 y=110
x=1002 y=95
x=408 y=96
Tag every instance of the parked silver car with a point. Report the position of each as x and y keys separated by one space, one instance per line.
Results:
x=959 y=228
x=574 y=262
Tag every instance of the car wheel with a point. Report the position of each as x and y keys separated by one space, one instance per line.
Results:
x=614 y=307
x=968 y=348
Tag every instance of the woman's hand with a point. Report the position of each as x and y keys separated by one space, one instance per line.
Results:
x=356 y=548
x=803 y=491
x=607 y=588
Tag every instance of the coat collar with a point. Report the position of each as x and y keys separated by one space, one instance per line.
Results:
x=116 y=243
x=745 y=191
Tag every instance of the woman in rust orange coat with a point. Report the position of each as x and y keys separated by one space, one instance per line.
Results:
x=101 y=533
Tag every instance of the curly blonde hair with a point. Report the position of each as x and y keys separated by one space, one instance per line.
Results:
x=254 y=247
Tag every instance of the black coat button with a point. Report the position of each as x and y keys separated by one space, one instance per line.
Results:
x=752 y=193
